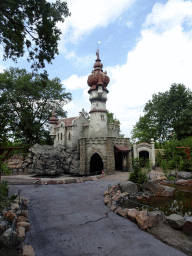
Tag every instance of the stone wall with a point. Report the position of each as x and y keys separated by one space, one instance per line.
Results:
x=47 y=160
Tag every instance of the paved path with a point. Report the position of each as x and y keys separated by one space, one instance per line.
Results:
x=72 y=220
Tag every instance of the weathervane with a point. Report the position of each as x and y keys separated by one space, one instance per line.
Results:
x=97 y=52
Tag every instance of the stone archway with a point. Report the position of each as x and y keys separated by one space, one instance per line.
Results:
x=96 y=164
x=144 y=155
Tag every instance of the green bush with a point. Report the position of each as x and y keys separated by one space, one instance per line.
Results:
x=137 y=176
x=185 y=165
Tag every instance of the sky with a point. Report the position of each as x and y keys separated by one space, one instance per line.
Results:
x=145 y=46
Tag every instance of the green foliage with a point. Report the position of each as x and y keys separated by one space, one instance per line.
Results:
x=26 y=105
x=158 y=159
x=137 y=176
x=111 y=119
x=165 y=167
x=167 y=116
x=31 y=25
x=185 y=165
x=5 y=200
x=4 y=189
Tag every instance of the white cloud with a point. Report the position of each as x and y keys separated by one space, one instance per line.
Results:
x=87 y=15
x=162 y=56
x=129 y=24
x=168 y=16
x=75 y=82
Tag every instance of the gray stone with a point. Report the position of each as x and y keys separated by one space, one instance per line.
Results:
x=158 y=217
x=184 y=175
x=176 y=221
x=187 y=227
x=158 y=190
x=48 y=160
x=128 y=186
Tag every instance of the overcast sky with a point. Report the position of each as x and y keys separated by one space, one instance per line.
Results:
x=145 y=46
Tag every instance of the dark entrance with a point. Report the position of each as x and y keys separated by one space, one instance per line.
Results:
x=96 y=164
x=118 y=161
x=144 y=155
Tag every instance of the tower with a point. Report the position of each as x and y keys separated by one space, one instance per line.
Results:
x=98 y=82
x=53 y=122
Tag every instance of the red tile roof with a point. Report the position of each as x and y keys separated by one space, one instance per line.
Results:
x=67 y=121
x=122 y=148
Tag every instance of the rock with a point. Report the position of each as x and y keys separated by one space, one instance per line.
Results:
x=23 y=213
x=113 y=207
x=116 y=197
x=128 y=186
x=181 y=182
x=28 y=251
x=21 y=233
x=144 y=221
x=10 y=216
x=23 y=224
x=158 y=190
x=122 y=212
x=187 y=227
x=184 y=175
x=106 y=193
x=176 y=221
x=4 y=224
x=132 y=214
x=158 y=217
x=14 y=207
x=1 y=228
x=5 y=239
x=21 y=219
x=107 y=200
x=26 y=201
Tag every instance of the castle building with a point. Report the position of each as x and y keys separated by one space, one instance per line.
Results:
x=99 y=143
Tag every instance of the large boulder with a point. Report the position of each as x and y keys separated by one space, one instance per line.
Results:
x=132 y=214
x=145 y=221
x=128 y=186
x=187 y=227
x=47 y=160
x=176 y=221
x=184 y=175
x=157 y=189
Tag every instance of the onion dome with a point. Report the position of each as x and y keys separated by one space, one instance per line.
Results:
x=98 y=77
x=53 y=119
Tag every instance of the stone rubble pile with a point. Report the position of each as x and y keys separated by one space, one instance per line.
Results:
x=22 y=225
x=47 y=160
x=144 y=219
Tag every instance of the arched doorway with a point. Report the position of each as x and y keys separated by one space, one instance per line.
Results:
x=118 y=161
x=96 y=164
x=144 y=155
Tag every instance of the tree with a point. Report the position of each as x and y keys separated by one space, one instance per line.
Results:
x=166 y=115
x=111 y=118
x=31 y=24
x=27 y=101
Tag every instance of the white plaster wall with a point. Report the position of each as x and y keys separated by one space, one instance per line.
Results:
x=59 y=130
x=98 y=105
x=98 y=127
x=78 y=129
x=95 y=94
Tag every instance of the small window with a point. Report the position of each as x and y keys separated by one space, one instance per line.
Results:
x=58 y=136
x=61 y=136
x=102 y=117
x=69 y=136
x=61 y=125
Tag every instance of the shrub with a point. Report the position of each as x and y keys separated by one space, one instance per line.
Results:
x=185 y=165
x=137 y=176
